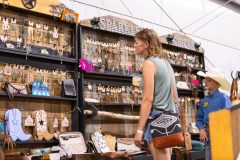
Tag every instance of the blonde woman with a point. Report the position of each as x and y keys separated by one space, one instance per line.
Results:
x=157 y=92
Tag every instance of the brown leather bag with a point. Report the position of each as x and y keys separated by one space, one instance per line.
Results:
x=165 y=127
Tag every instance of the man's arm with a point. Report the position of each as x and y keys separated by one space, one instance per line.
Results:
x=200 y=116
x=200 y=124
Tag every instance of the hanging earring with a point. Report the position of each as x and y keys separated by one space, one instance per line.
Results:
x=5 y=26
x=55 y=32
x=28 y=121
x=65 y=43
x=30 y=31
x=55 y=123
x=65 y=122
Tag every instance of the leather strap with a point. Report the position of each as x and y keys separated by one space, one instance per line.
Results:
x=180 y=153
x=173 y=85
x=6 y=87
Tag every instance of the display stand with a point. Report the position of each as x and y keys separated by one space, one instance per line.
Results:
x=56 y=105
x=179 y=44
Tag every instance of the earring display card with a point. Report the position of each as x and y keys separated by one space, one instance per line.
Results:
x=113 y=94
x=39 y=82
x=45 y=37
x=110 y=55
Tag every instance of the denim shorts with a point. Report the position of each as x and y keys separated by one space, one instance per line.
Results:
x=147 y=134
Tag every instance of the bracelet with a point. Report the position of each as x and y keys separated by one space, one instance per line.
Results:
x=139 y=131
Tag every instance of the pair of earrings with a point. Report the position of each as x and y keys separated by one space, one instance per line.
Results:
x=29 y=122
x=64 y=122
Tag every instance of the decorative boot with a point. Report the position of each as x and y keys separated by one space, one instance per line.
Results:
x=14 y=125
x=41 y=125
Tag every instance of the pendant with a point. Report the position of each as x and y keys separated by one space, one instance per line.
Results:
x=65 y=122
x=28 y=121
x=55 y=123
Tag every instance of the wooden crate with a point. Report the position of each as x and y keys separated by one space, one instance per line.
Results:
x=225 y=133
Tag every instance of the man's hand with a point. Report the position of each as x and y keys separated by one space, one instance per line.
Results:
x=203 y=135
x=138 y=139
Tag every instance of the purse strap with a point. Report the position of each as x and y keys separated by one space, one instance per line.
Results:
x=6 y=87
x=173 y=85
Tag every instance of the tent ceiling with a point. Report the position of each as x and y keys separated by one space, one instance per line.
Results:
x=233 y=5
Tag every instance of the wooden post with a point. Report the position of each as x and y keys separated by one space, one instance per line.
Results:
x=225 y=133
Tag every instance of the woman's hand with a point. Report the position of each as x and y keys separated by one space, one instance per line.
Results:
x=203 y=135
x=138 y=139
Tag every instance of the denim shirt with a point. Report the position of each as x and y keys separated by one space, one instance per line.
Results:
x=211 y=103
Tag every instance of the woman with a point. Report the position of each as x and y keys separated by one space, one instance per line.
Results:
x=158 y=88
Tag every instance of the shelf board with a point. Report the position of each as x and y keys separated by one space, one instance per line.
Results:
x=176 y=66
x=108 y=32
x=36 y=55
x=42 y=97
x=185 y=49
x=187 y=92
x=115 y=104
x=34 y=142
x=107 y=75
x=198 y=69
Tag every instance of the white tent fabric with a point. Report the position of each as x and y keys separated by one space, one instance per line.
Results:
x=224 y=29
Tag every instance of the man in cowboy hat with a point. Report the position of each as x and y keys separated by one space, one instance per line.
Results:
x=213 y=102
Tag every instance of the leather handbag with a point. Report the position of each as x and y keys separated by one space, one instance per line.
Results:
x=165 y=127
x=127 y=144
x=69 y=88
x=72 y=143
x=40 y=89
x=15 y=88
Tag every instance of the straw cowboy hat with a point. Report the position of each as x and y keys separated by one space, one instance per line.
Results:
x=217 y=76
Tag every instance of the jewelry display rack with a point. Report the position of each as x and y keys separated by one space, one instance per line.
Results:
x=56 y=105
x=179 y=43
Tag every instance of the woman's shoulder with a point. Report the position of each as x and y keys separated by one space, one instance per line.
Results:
x=155 y=59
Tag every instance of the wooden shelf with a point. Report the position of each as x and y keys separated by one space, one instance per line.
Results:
x=42 y=97
x=176 y=66
x=116 y=104
x=34 y=142
x=189 y=51
x=21 y=52
x=107 y=74
x=185 y=92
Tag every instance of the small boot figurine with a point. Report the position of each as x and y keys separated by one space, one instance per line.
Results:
x=14 y=125
x=41 y=131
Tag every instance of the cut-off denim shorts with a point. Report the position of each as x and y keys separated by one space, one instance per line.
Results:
x=147 y=134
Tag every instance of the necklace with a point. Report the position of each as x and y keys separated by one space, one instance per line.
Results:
x=14 y=121
x=14 y=116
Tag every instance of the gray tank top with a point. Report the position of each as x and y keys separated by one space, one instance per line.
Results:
x=162 y=98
